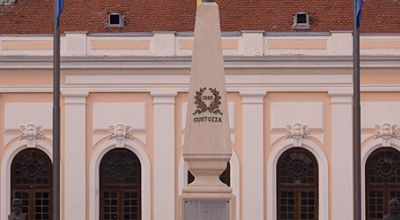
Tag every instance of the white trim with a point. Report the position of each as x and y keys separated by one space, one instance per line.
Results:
x=167 y=43
x=341 y=183
x=366 y=151
x=341 y=96
x=153 y=79
x=6 y=162
x=25 y=89
x=163 y=155
x=94 y=189
x=253 y=182
x=323 y=180
x=231 y=87
x=235 y=179
x=74 y=155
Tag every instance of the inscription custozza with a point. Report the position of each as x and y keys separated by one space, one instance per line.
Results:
x=207 y=100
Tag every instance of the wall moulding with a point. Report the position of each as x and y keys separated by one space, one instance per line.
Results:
x=25 y=89
x=183 y=88
x=243 y=80
x=233 y=64
x=231 y=87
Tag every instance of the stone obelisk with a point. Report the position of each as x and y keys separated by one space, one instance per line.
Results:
x=207 y=148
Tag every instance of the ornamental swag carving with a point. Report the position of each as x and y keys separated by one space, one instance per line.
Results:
x=297 y=132
x=120 y=133
x=387 y=133
x=31 y=133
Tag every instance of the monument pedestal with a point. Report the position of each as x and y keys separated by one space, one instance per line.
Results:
x=207 y=198
x=207 y=206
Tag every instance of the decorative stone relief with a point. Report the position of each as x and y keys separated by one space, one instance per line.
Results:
x=120 y=133
x=297 y=132
x=31 y=134
x=387 y=133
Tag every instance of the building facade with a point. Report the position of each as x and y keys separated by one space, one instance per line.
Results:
x=124 y=102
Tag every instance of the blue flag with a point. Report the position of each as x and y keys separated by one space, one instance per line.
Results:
x=358 y=11
x=59 y=9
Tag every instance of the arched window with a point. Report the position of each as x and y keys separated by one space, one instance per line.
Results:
x=225 y=177
x=382 y=181
x=297 y=184
x=31 y=182
x=120 y=186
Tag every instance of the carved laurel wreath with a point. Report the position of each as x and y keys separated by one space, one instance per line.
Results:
x=202 y=106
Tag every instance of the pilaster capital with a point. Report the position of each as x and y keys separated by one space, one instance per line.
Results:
x=341 y=97
x=75 y=96
x=252 y=96
x=164 y=96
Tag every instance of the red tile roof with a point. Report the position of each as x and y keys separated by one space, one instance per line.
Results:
x=36 y=16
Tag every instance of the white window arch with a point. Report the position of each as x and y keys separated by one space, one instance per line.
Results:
x=368 y=147
x=5 y=184
x=323 y=178
x=94 y=190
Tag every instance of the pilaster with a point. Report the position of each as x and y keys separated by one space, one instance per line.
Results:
x=164 y=154
x=74 y=154
x=253 y=154
x=342 y=156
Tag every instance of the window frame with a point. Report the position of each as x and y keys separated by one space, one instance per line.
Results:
x=297 y=25
x=31 y=189
x=384 y=188
x=120 y=188
x=296 y=188
x=121 y=20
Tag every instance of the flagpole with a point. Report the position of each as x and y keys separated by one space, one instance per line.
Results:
x=356 y=115
x=56 y=115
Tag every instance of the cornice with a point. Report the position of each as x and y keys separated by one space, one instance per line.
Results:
x=334 y=89
x=181 y=65
x=25 y=89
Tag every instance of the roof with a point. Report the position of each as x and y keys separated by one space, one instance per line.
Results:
x=36 y=17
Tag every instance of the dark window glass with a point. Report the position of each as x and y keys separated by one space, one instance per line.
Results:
x=382 y=181
x=297 y=181
x=120 y=186
x=301 y=18
x=115 y=19
x=31 y=181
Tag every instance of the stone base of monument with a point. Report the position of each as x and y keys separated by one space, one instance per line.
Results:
x=207 y=198
x=207 y=206
x=206 y=170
